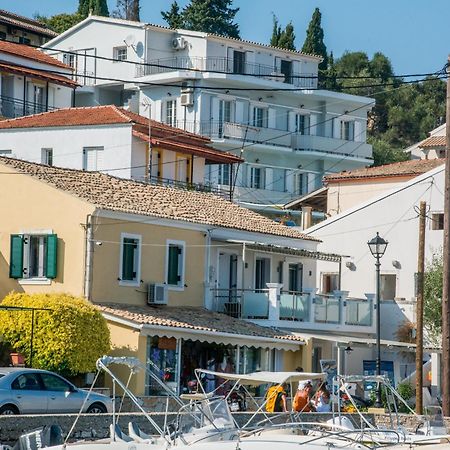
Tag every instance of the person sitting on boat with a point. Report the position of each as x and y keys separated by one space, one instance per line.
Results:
x=302 y=399
x=323 y=403
x=276 y=398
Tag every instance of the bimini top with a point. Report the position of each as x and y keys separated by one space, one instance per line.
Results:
x=259 y=378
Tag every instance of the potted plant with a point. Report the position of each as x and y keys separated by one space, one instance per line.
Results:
x=17 y=359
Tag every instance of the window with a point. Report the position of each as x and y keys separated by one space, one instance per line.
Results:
x=120 y=53
x=47 y=156
x=92 y=158
x=388 y=286
x=347 y=130
x=286 y=70
x=262 y=273
x=38 y=99
x=260 y=117
x=175 y=264
x=238 y=62
x=302 y=124
x=300 y=183
x=437 y=221
x=330 y=282
x=295 y=277
x=280 y=270
x=5 y=152
x=54 y=383
x=24 y=40
x=256 y=178
x=225 y=114
x=33 y=256
x=2 y=36
x=225 y=174
x=279 y=180
x=27 y=382
x=171 y=113
x=130 y=259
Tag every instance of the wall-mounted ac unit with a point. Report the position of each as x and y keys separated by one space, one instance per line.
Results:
x=187 y=99
x=157 y=294
x=179 y=43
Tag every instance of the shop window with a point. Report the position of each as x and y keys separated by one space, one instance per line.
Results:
x=33 y=256
x=130 y=259
x=388 y=286
x=437 y=221
x=330 y=282
x=175 y=264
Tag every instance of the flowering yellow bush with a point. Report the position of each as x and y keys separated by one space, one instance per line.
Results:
x=68 y=339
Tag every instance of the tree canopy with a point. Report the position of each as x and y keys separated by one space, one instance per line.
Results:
x=95 y=7
x=68 y=339
x=60 y=22
x=314 y=43
x=282 y=38
x=209 y=16
x=127 y=9
x=432 y=310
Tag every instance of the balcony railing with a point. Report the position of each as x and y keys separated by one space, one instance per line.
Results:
x=295 y=309
x=11 y=107
x=242 y=303
x=225 y=65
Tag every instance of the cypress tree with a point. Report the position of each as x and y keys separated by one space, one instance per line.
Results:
x=173 y=16
x=287 y=38
x=314 y=43
x=211 y=16
x=127 y=9
x=276 y=32
x=96 y=7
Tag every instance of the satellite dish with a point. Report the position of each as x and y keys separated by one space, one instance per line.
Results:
x=139 y=49
x=129 y=40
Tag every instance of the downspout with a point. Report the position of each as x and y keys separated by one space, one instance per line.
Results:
x=207 y=291
x=46 y=96
x=88 y=256
x=340 y=274
x=24 y=94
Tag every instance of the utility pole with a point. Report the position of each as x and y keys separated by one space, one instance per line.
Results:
x=445 y=374
x=419 y=309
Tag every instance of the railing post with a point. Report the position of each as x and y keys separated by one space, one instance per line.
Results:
x=311 y=293
x=342 y=296
x=274 y=300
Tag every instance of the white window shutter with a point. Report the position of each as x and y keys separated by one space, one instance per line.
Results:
x=277 y=64
x=250 y=62
x=312 y=124
x=359 y=131
x=239 y=117
x=292 y=120
x=272 y=118
x=215 y=105
x=336 y=128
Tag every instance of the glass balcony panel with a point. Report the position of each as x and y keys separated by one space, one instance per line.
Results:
x=294 y=307
x=358 y=312
x=255 y=305
x=327 y=309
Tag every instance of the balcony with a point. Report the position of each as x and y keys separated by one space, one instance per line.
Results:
x=11 y=107
x=297 y=310
x=226 y=66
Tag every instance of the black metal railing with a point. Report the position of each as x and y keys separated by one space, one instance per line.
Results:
x=11 y=107
x=225 y=65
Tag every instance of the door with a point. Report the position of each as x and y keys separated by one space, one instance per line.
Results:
x=286 y=70
x=262 y=273
x=224 y=114
x=28 y=393
x=238 y=62
x=183 y=168
x=62 y=397
x=295 y=277
x=227 y=280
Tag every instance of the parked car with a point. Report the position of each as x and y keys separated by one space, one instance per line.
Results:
x=33 y=391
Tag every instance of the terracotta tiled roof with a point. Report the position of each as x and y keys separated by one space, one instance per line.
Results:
x=34 y=73
x=118 y=194
x=162 y=135
x=433 y=141
x=194 y=318
x=400 y=169
x=25 y=23
x=25 y=51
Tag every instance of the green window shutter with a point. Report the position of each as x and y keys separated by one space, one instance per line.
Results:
x=51 y=255
x=16 y=257
x=172 y=273
x=128 y=270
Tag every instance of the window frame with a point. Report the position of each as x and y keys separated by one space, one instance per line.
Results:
x=331 y=275
x=252 y=178
x=96 y=149
x=263 y=121
x=117 y=52
x=47 y=156
x=436 y=220
x=173 y=112
x=137 y=261
x=181 y=262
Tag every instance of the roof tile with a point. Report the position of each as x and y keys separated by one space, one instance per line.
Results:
x=26 y=23
x=433 y=141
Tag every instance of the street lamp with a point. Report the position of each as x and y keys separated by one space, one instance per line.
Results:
x=377 y=247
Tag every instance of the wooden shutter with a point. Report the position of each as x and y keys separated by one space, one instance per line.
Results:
x=51 y=256
x=128 y=248
x=16 y=257
x=172 y=271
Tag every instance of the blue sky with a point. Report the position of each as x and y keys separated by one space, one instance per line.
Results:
x=409 y=32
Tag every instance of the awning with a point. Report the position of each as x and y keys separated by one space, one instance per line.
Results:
x=316 y=200
x=39 y=74
x=259 y=378
x=199 y=324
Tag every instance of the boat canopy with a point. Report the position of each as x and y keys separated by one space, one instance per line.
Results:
x=259 y=378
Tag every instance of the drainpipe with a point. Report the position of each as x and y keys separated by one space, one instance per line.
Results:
x=207 y=289
x=88 y=254
x=46 y=96
x=24 y=94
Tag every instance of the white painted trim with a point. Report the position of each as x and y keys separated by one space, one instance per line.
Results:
x=138 y=237
x=41 y=281
x=36 y=232
x=182 y=244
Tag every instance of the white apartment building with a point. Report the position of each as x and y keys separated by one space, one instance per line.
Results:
x=252 y=99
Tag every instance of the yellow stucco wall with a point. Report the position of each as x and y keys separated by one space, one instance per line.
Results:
x=106 y=262
x=27 y=204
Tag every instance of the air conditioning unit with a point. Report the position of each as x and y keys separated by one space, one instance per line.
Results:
x=179 y=43
x=187 y=99
x=157 y=294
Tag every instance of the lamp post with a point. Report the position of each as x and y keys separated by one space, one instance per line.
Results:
x=377 y=247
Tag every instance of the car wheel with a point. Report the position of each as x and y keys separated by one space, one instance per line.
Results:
x=96 y=408
x=8 y=410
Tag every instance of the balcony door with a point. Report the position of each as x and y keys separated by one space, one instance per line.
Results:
x=238 y=62
x=262 y=273
x=286 y=70
x=295 y=277
x=225 y=114
x=227 y=283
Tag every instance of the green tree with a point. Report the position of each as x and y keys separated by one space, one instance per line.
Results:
x=384 y=153
x=127 y=9
x=211 y=16
x=95 y=7
x=60 y=22
x=68 y=339
x=314 y=43
x=283 y=39
x=276 y=32
x=173 y=16
x=432 y=287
